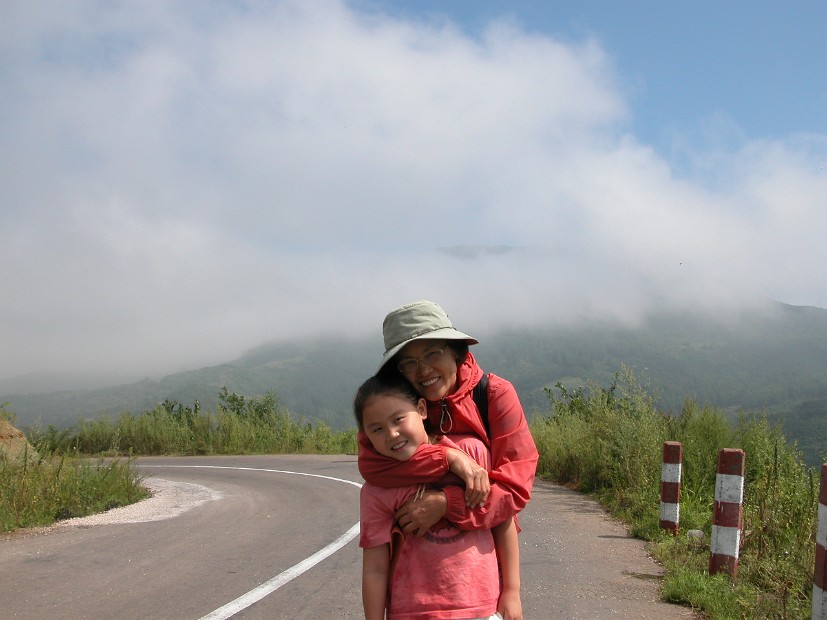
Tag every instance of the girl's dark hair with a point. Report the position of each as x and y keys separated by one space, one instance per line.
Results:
x=377 y=385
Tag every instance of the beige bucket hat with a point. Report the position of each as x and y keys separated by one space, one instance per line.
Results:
x=419 y=320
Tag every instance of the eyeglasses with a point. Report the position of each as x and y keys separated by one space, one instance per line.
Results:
x=409 y=365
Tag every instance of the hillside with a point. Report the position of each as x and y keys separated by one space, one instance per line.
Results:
x=774 y=363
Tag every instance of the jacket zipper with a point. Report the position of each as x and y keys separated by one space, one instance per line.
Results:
x=445 y=414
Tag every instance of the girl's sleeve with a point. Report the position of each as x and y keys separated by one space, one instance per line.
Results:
x=514 y=463
x=375 y=517
x=428 y=464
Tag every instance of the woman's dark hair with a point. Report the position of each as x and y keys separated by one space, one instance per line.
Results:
x=460 y=347
x=377 y=385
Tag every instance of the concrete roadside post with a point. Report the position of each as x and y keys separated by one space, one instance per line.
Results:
x=670 y=487
x=820 y=574
x=727 y=514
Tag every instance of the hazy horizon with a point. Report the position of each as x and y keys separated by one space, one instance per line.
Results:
x=182 y=183
x=45 y=382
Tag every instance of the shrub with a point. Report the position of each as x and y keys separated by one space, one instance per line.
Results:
x=608 y=442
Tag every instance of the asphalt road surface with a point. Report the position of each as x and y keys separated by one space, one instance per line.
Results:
x=277 y=537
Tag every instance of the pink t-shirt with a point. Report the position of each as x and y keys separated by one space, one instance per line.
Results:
x=448 y=573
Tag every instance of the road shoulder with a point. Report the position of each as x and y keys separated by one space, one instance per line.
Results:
x=579 y=562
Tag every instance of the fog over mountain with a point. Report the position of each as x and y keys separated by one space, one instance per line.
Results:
x=181 y=183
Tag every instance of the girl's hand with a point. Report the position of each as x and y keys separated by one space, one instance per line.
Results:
x=510 y=606
x=477 y=485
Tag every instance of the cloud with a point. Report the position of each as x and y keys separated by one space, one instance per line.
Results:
x=179 y=184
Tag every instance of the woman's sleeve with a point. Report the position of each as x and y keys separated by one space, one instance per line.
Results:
x=428 y=464
x=514 y=463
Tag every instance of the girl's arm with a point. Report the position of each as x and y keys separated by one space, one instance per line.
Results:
x=375 y=575
x=508 y=555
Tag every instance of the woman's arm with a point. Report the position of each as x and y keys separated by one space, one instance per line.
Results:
x=428 y=464
x=514 y=463
x=472 y=475
x=418 y=516
x=375 y=575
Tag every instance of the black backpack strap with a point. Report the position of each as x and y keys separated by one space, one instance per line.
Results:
x=481 y=399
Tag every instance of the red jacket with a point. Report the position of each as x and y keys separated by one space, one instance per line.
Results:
x=513 y=453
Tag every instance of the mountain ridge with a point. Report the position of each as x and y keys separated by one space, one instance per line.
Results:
x=774 y=362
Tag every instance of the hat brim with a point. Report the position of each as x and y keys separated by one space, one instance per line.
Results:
x=445 y=333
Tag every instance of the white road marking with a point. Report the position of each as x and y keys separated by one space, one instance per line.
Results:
x=268 y=587
x=256 y=594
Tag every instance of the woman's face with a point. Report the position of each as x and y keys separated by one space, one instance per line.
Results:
x=430 y=366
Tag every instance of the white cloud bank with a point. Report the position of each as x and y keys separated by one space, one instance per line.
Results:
x=180 y=182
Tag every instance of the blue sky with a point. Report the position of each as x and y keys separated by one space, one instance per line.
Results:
x=757 y=64
x=181 y=181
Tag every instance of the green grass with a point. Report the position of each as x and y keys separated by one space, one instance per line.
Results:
x=39 y=491
x=239 y=425
x=608 y=442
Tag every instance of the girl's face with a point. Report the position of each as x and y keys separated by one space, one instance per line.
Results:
x=394 y=425
x=431 y=367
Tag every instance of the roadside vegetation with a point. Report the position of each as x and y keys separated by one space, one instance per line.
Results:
x=239 y=425
x=39 y=486
x=608 y=441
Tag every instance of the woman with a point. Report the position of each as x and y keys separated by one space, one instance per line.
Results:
x=422 y=345
x=451 y=573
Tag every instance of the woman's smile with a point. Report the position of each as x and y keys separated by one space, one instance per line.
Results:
x=429 y=382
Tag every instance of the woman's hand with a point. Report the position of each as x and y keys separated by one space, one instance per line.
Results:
x=418 y=516
x=477 y=485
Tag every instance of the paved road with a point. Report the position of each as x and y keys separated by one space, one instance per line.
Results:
x=257 y=528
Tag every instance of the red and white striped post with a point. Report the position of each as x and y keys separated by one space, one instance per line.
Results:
x=728 y=512
x=820 y=574
x=670 y=487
